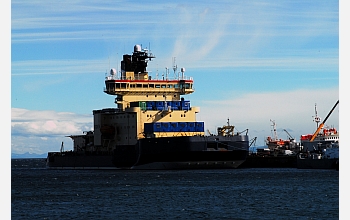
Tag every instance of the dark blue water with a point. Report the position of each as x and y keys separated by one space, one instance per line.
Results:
x=39 y=193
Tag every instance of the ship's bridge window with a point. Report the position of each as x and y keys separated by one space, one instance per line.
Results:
x=170 y=86
x=151 y=85
x=139 y=85
x=186 y=85
x=144 y=85
x=123 y=85
x=157 y=86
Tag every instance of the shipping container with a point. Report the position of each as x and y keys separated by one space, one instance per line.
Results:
x=174 y=126
x=185 y=105
x=160 y=105
x=165 y=126
x=183 y=126
x=150 y=105
x=199 y=127
x=157 y=127
x=175 y=105
x=191 y=126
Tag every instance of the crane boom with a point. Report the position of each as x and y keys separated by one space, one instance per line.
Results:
x=290 y=136
x=324 y=121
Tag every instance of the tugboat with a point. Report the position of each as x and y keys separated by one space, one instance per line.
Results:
x=280 y=153
x=152 y=126
x=280 y=147
x=321 y=149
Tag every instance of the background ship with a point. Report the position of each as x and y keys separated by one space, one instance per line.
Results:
x=278 y=153
x=152 y=127
x=321 y=149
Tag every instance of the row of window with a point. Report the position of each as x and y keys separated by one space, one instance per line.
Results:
x=144 y=85
x=149 y=116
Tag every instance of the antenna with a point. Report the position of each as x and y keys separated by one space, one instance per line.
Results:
x=316 y=118
x=274 y=129
x=174 y=66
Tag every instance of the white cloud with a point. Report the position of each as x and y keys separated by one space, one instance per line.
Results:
x=291 y=110
x=41 y=131
x=47 y=123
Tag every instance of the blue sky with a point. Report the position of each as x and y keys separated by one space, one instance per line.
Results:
x=252 y=62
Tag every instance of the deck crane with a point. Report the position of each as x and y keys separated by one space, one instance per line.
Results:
x=324 y=121
x=290 y=136
x=252 y=141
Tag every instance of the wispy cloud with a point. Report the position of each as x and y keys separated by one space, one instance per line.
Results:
x=47 y=67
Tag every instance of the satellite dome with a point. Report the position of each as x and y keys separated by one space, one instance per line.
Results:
x=113 y=71
x=137 y=48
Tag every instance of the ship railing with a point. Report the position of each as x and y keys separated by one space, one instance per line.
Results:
x=114 y=77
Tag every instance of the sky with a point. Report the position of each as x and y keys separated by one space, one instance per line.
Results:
x=251 y=61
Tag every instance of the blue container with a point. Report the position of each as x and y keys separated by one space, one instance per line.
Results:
x=191 y=126
x=157 y=127
x=199 y=127
x=185 y=105
x=175 y=105
x=165 y=126
x=174 y=126
x=160 y=105
x=182 y=126
x=150 y=105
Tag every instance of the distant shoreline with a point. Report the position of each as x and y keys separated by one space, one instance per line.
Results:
x=28 y=156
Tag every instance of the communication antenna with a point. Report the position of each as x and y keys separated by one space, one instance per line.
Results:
x=62 y=148
x=174 y=66
x=316 y=118
x=117 y=65
x=274 y=129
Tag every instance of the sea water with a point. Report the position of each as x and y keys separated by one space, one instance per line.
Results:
x=251 y=193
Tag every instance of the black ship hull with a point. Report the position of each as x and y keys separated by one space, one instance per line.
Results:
x=195 y=152
x=309 y=163
x=270 y=162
